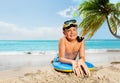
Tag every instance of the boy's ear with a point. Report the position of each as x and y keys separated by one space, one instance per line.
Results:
x=64 y=32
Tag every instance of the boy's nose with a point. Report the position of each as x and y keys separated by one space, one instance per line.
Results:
x=72 y=31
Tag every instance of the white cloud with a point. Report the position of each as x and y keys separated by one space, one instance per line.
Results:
x=67 y=12
x=11 y=31
x=114 y=1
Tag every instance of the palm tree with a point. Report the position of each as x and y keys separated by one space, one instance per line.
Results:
x=95 y=13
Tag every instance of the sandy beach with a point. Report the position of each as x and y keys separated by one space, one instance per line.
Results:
x=36 y=68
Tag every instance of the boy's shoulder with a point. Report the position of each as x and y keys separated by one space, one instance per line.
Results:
x=62 y=39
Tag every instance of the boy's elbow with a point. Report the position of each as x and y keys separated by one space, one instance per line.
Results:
x=61 y=59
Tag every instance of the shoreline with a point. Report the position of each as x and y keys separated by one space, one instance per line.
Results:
x=24 y=59
x=54 y=51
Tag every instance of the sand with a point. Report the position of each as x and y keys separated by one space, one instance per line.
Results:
x=106 y=71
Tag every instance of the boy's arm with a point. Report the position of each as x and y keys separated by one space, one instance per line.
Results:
x=62 y=52
x=82 y=51
x=81 y=62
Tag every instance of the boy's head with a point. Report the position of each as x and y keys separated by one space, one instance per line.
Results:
x=70 y=29
x=69 y=23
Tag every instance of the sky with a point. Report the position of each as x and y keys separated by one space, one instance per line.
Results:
x=40 y=19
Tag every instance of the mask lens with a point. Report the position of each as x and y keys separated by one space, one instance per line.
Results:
x=70 y=21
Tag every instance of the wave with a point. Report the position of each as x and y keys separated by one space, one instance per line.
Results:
x=54 y=52
x=28 y=52
x=101 y=50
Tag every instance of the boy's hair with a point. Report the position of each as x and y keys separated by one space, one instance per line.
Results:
x=79 y=39
x=71 y=25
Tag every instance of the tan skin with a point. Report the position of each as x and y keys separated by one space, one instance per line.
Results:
x=69 y=48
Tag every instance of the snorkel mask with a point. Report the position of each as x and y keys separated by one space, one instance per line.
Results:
x=69 y=23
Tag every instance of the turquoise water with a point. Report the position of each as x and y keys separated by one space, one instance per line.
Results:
x=52 y=45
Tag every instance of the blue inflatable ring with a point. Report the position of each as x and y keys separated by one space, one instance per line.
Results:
x=63 y=67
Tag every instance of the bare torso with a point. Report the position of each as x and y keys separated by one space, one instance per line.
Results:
x=71 y=49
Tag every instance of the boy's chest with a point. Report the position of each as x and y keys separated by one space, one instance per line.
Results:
x=72 y=48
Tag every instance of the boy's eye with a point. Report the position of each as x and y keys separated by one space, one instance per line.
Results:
x=74 y=29
x=68 y=30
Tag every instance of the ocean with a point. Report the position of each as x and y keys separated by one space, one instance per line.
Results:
x=27 y=53
x=52 y=45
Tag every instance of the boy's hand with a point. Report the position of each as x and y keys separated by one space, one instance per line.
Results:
x=84 y=67
x=77 y=69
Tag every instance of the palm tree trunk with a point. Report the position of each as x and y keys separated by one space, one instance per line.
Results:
x=114 y=34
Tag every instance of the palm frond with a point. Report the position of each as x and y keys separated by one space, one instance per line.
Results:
x=95 y=12
x=91 y=24
x=96 y=25
x=113 y=24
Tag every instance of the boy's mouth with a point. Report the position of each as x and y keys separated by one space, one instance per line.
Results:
x=72 y=35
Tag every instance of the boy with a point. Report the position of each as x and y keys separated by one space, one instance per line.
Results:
x=72 y=45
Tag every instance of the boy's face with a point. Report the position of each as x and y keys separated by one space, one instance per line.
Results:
x=71 y=33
